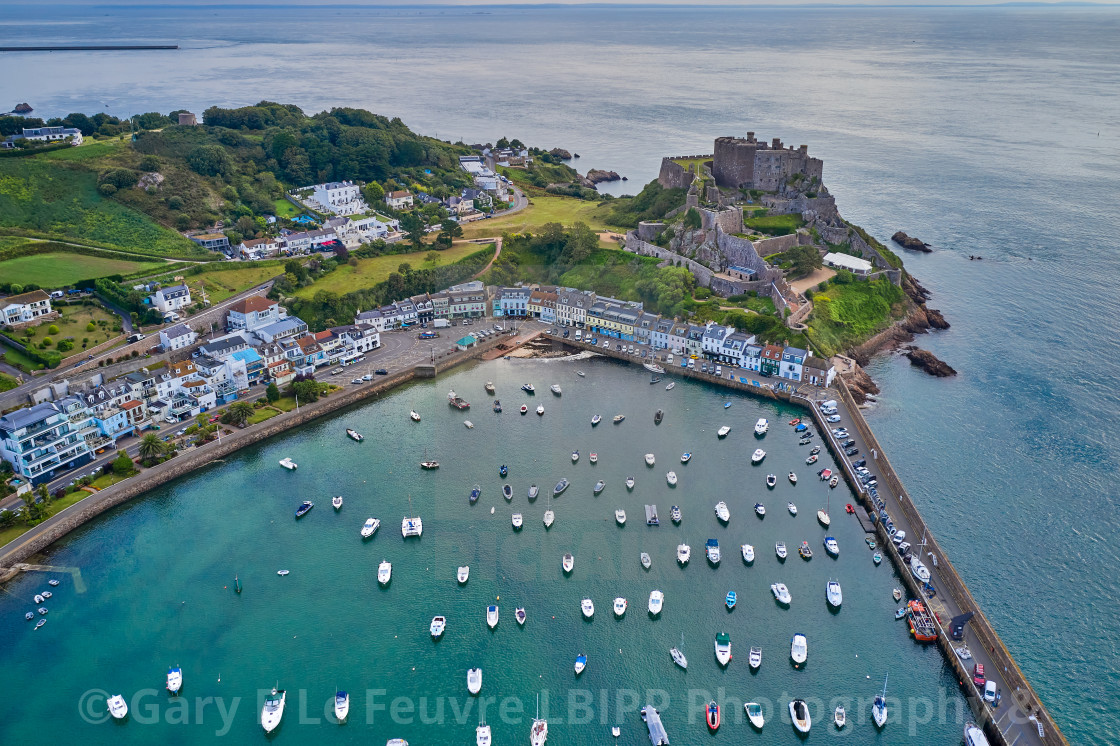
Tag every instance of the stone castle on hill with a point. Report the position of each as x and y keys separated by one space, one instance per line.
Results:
x=746 y=163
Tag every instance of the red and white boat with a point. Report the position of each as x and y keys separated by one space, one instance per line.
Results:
x=825 y=474
x=849 y=508
x=713 y=716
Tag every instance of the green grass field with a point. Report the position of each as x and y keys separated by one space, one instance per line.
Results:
x=285 y=209
x=14 y=357
x=369 y=272
x=775 y=225
x=222 y=285
x=845 y=315
x=59 y=269
x=72 y=325
x=543 y=209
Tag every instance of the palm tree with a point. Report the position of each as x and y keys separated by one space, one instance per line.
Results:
x=240 y=412
x=151 y=447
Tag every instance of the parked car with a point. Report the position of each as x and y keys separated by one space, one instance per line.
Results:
x=833 y=418
x=903 y=548
x=991 y=693
x=852 y=451
x=381 y=372
x=355 y=381
x=861 y=462
x=719 y=371
x=978 y=676
x=848 y=443
x=898 y=537
x=367 y=377
x=606 y=344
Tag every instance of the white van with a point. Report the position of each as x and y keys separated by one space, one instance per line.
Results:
x=579 y=335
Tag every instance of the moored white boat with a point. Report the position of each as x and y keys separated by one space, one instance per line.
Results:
x=369 y=528
x=677 y=654
x=761 y=426
x=771 y=480
x=595 y=420
x=555 y=388
x=492 y=616
x=834 y=594
x=755 y=659
x=587 y=607
x=538 y=732
x=799 y=648
x=670 y=386
x=463 y=574
x=517 y=520
x=549 y=518
x=474 y=680
x=575 y=456
x=644 y=558
x=354 y=435
x=684 y=552
x=780 y=550
x=686 y=457
x=823 y=518
x=273 y=711
x=879 y=706
x=722 y=513
x=711 y=548
x=507 y=492
x=288 y=464
x=336 y=502
x=919 y=570
x=118 y=708
x=469 y=424
x=831 y=546
x=675 y=514
x=581 y=663
x=799 y=715
x=618 y=418
x=341 y=706
x=781 y=593
x=792 y=478
x=757 y=456
x=656 y=602
x=412 y=526
x=593 y=457
x=748 y=553
x=754 y=714
x=489 y=386
x=649 y=459
x=568 y=563
x=760 y=509
x=438 y=625
x=414 y=415
x=174 y=679
x=723 y=648
x=839 y=716
x=620 y=516
x=629 y=483
x=619 y=606
x=533 y=492
x=540 y=409
x=791 y=508
x=723 y=431
x=384 y=572
x=599 y=486
x=519 y=615
x=671 y=478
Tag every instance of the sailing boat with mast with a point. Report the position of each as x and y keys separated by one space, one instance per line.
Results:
x=538 y=734
x=879 y=709
x=822 y=515
x=678 y=654
x=411 y=525
x=549 y=516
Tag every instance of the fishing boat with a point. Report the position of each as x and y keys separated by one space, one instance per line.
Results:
x=568 y=563
x=755 y=659
x=897 y=594
x=760 y=509
x=476 y=492
x=839 y=717
x=671 y=385
x=722 y=513
x=429 y=464
x=833 y=482
x=771 y=481
x=879 y=707
x=798 y=648
x=644 y=558
x=414 y=415
x=780 y=550
x=901 y=612
x=587 y=607
x=684 y=553
x=463 y=574
x=799 y=715
x=723 y=431
x=457 y=401
x=675 y=514
x=812 y=459
x=593 y=457
x=762 y=426
x=730 y=600
x=677 y=654
x=791 y=508
x=671 y=478
x=629 y=483
x=649 y=459
x=748 y=553
x=439 y=624
x=581 y=663
x=39 y=623
x=555 y=388
x=489 y=386
x=174 y=679
x=618 y=418
x=781 y=593
x=519 y=615
x=599 y=486
x=492 y=616
x=711 y=549
x=723 y=648
x=540 y=410
x=833 y=594
x=653 y=368
x=273 y=710
x=469 y=425
x=792 y=478
x=538 y=731
x=658 y=416
x=757 y=456
x=620 y=516
x=876 y=558
x=596 y=419
x=336 y=502
x=288 y=464
x=497 y=406
x=919 y=570
x=754 y=714
x=474 y=680
x=118 y=708
x=528 y=388
x=517 y=520
x=524 y=409
x=805 y=552
x=354 y=435
x=656 y=602
x=619 y=606
x=507 y=492
x=304 y=508
x=384 y=572
x=560 y=487
x=533 y=492
x=713 y=716
x=831 y=546
x=341 y=706
x=922 y=624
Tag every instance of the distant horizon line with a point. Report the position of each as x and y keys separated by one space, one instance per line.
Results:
x=520 y=4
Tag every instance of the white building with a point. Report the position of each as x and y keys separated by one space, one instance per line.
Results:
x=340 y=198
x=399 y=200
x=259 y=248
x=25 y=308
x=169 y=300
x=307 y=241
x=177 y=337
x=252 y=313
x=853 y=264
x=45 y=134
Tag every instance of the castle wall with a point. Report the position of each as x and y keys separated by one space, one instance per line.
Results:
x=675 y=176
x=734 y=161
x=729 y=220
x=768 y=246
x=636 y=245
x=648 y=229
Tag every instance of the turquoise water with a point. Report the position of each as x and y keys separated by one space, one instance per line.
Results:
x=159 y=573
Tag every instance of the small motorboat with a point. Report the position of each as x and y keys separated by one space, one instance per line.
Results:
x=575 y=456
x=791 y=508
x=897 y=593
x=684 y=553
x=781 y=593
x=713 y=716
x=812 y=459
x=711 y=549
x=901 y=612
x=519 y=615
x=839 y=717
x=341 y=706
x=118 y=708
x=823 y=518
x=540 y=410
x=29 y=615
x=727 y=405
x=754 y=714
x=833 y=482
x=771 y=481
x=756 y=658
x=656 y=602
x=723 y=431
x=518 y=520
x=282 y=573
x=439 y=624
x=555 y=388
x=174 y=679
x=474 y=680
x=568 y=562
x=40 y=623
x=596 y=420
x=503 y=471
x=722 y=513
x=507 y=492
x=748 y=553
x=675 y=514
x=354 y=435
x=644 y=558
x=524 y=409
x=476 y=492
x=805 y=552
x=336 y=502
x=831 y=546
x=618 y=418
x=792 y=478
x=730 y=600
x=762 y=426
x=795 y=422
x=760 y=509
x=581 y=663
x=723 y=648
x=649 y=459
x=489 y=386
x=833 y=594
x=304 y=508
x=671 y=385
x=877 y=558
x=497 y=407
x=384 y=572
x=757 y=456
x=288 y=464
x=38 y=598
x=429 y=465
x=619 y=606
x=686 y=457
x=593 y=457
x=469 y=425
x=492 y=616
x=658 y=416
x=671 y=478
x=528 y=388
x=533 y=492
x=629 y=483
x=824 y=474
x=799 y=715
x=463 y=574
x=599 y=486
x=580 y=373
x=414 y=415
x=560 y=487
x=798 y=648
x=52 y=582
x=587 y=607
x=780 y=550
x=620 y=516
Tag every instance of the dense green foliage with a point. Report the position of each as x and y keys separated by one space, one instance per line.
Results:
x=849 y=311
x=652 y=203
x=800 y=261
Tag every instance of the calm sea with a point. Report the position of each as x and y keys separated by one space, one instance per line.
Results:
x=990 y=132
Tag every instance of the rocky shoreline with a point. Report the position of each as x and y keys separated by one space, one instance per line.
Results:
x=909 y=242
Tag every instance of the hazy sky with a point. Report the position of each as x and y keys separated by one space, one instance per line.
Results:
x=415 y=3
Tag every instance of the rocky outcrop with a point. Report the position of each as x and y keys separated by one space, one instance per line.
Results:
x=24 y=108
x=909 y=242
x=596 y=176
x=927 y=361
x=860 y=384
x=560 y=153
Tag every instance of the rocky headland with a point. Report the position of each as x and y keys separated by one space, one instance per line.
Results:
x=560 y=153
x=927 y=361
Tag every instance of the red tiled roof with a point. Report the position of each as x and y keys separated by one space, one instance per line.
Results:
x=253 y=303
